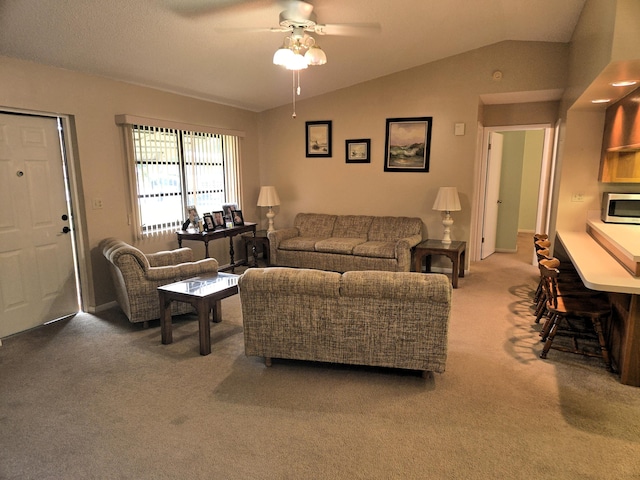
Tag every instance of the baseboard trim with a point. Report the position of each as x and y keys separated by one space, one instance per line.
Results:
x=102 y=308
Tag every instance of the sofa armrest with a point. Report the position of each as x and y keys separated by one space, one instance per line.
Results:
x=173 y=257
x=275 y=238
x=404 y=247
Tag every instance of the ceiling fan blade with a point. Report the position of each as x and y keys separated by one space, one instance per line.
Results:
x=241 y=30
x=348 y=29
x=194 y=8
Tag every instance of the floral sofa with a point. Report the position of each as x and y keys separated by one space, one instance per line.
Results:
x=341 y=243
x=374 y=318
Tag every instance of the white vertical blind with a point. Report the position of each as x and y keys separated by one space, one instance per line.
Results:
x=176 y=168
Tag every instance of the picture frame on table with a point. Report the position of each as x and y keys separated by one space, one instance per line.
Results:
x=357 y=151
x=218 y=219
x=209 y=225
x=228 y=209
x=238 y=219
x=318 y=138
x=408 y=144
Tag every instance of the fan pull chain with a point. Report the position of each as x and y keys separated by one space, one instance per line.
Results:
x=293 y=89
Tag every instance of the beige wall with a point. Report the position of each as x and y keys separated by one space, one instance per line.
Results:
x=447 y=90
x=93 y=103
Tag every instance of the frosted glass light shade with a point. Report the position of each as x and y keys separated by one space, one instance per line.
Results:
x=282 y=56
x=297 y=62
x=315 y=56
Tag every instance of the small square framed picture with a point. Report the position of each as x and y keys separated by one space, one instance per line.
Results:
x=357 y=151
x=238 y=220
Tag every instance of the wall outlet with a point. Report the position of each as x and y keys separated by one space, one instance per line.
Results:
x=577 y=197
x=97 y=203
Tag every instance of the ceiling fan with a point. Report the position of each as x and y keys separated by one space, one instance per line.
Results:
x=296 y=14
x=298 y=21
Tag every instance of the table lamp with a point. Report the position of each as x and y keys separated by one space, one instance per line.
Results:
x=269 y=198
x=447 y=201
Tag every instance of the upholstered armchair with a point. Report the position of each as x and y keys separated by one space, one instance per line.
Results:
x=136 y=277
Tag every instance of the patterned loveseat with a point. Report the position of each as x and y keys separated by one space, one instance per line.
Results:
x=137 y=276
x=386 y=319
x=341 y=243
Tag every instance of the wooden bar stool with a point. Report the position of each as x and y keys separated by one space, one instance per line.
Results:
x=578 y=317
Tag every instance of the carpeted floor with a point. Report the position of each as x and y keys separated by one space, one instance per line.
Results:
x=98 y=397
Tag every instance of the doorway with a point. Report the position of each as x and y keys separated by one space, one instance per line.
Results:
x=522 y=188
x=39 y=278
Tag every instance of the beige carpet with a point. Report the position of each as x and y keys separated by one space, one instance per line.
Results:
x=97 y=397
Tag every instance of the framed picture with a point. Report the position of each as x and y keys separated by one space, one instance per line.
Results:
x=218 y=219
x=209 y=226
x=357 y=151
x=407 y=144
x=237 y=218
x=318 y=137
x=228 y=209
x=192 y=214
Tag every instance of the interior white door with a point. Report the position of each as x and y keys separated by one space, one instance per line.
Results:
x=492 y=195
x=37 y=275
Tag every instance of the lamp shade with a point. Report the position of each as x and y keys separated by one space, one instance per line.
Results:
x=315 y=56
x=268 y=197
x=447 y=200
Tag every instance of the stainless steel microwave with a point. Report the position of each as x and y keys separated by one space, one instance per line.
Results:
x=621 y=208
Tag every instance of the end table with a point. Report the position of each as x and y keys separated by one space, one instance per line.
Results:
x=251 y=242
x=454 y=250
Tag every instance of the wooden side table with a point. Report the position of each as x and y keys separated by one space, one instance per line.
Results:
x=454 y=250
x=216 y=234
x=252 y=242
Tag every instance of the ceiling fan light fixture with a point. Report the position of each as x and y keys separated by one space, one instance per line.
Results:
x=296 y=62
x=283 y=56
x=315 y=56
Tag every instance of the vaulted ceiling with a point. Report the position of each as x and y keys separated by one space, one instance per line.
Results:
x=221 y=50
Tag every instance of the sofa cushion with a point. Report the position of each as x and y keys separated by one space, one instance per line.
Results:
x=350 y=226
x=316 y=225
x=394 y=228
x=338 y=245
x=304 y=244
x=375 y=249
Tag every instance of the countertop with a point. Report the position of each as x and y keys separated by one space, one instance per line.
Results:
x=598 y=269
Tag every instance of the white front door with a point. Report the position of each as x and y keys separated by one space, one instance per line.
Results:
x=37 y=275
x=492 y=195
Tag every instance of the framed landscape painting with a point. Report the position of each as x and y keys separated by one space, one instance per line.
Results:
x=407 y=144
x=357 y=151
x=318 y=138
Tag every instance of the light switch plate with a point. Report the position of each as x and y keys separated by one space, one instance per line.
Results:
x=459 y=129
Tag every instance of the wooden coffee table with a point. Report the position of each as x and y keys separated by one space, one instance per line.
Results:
x=205 y=294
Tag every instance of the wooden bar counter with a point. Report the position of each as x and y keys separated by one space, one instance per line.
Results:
x=601 y=271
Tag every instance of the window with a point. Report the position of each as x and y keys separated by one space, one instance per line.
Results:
x=172 y=168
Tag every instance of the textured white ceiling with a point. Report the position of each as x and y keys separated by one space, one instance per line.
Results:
x=149 y=42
